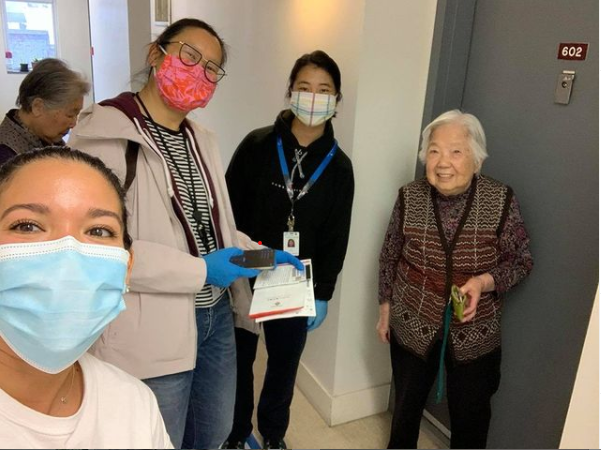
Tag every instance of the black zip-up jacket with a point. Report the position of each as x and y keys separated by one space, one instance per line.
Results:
x=261 y=205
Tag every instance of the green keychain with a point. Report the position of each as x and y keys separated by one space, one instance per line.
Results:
x=458 y=299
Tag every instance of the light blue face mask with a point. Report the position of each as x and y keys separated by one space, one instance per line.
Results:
x=56 y=298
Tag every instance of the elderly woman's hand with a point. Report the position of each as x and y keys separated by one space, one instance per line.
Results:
x=383 y=326
x=474 y=288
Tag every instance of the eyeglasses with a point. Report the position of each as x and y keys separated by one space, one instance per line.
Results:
x=190 y=57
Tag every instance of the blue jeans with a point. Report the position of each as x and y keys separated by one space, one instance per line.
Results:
x=198 y=406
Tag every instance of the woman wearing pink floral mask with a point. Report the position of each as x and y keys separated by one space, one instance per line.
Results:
x=177 y=333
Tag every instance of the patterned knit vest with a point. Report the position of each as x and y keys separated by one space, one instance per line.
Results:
x=18 y=138
x=430 y=265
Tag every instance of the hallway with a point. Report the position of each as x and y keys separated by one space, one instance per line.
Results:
x=308 y=430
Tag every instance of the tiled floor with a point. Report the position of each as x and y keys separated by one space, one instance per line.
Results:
x=308 y=430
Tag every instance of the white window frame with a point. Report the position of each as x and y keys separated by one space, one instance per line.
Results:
x=4 y=18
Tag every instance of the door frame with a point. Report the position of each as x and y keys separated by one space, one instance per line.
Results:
x=449 y=64
x=449 y=59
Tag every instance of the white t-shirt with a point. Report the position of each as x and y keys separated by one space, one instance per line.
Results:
x=117 y=411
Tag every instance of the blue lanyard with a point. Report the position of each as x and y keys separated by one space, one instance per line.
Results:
x=313 y=178
x=448 y=313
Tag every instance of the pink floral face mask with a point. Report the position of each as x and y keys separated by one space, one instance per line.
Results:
x=183 y=87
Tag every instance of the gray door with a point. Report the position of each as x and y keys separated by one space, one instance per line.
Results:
x=505 y=72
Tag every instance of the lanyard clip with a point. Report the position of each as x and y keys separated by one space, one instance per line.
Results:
x=289 y=189
x=299 y=158
x=290 y=222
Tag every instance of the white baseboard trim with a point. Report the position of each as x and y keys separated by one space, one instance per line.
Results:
x=343 y=408
x=437 y=424
x=315 y=393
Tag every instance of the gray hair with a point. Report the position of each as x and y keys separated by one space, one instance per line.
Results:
x=475 y=134
x=54 y=83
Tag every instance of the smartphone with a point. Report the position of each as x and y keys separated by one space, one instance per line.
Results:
x=256 y=259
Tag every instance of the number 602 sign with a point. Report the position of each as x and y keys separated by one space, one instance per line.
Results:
x=575 y=51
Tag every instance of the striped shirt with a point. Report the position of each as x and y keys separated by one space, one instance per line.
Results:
x=175 y=147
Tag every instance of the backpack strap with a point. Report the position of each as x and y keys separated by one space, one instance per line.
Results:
x=131 y=161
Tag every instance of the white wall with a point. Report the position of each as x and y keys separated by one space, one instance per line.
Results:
x=265 y=37
x=138 y=19
x=393 y=70
x=383 y=50
x=581 y=429
x=120 y=31
x=109 y=30
x=73 y=46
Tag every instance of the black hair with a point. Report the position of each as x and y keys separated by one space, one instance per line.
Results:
x=13 y=165
x=322 y=60
x=177 y=27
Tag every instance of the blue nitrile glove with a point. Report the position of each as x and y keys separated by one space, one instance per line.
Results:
x=221 y=272
x=321 y=310
x=282 y=257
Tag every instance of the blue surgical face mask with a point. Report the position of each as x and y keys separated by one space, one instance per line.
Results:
x=56 y=298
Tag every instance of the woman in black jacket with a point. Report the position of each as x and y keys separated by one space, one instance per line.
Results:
x=291 y=187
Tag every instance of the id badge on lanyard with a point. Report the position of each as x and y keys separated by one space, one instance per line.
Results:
x=291 y=242
x=291 y=238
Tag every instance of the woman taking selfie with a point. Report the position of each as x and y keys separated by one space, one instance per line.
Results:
x=64 y=265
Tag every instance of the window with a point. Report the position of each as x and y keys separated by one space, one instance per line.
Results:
x=28 y=32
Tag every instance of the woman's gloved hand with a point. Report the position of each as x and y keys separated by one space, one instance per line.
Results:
x=221 y=272
x=321 y=310
x=282 y=257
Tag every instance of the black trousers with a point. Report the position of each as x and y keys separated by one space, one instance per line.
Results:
x=285 y=340
x=469 y=388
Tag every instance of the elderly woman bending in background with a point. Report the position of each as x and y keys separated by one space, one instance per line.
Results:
x=453 y=227
x=50 y=99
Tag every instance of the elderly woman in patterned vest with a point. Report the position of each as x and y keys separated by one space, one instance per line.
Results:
x=50 y=99
x=453 y=227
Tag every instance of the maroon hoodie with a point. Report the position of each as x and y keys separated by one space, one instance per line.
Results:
x=126 y=103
